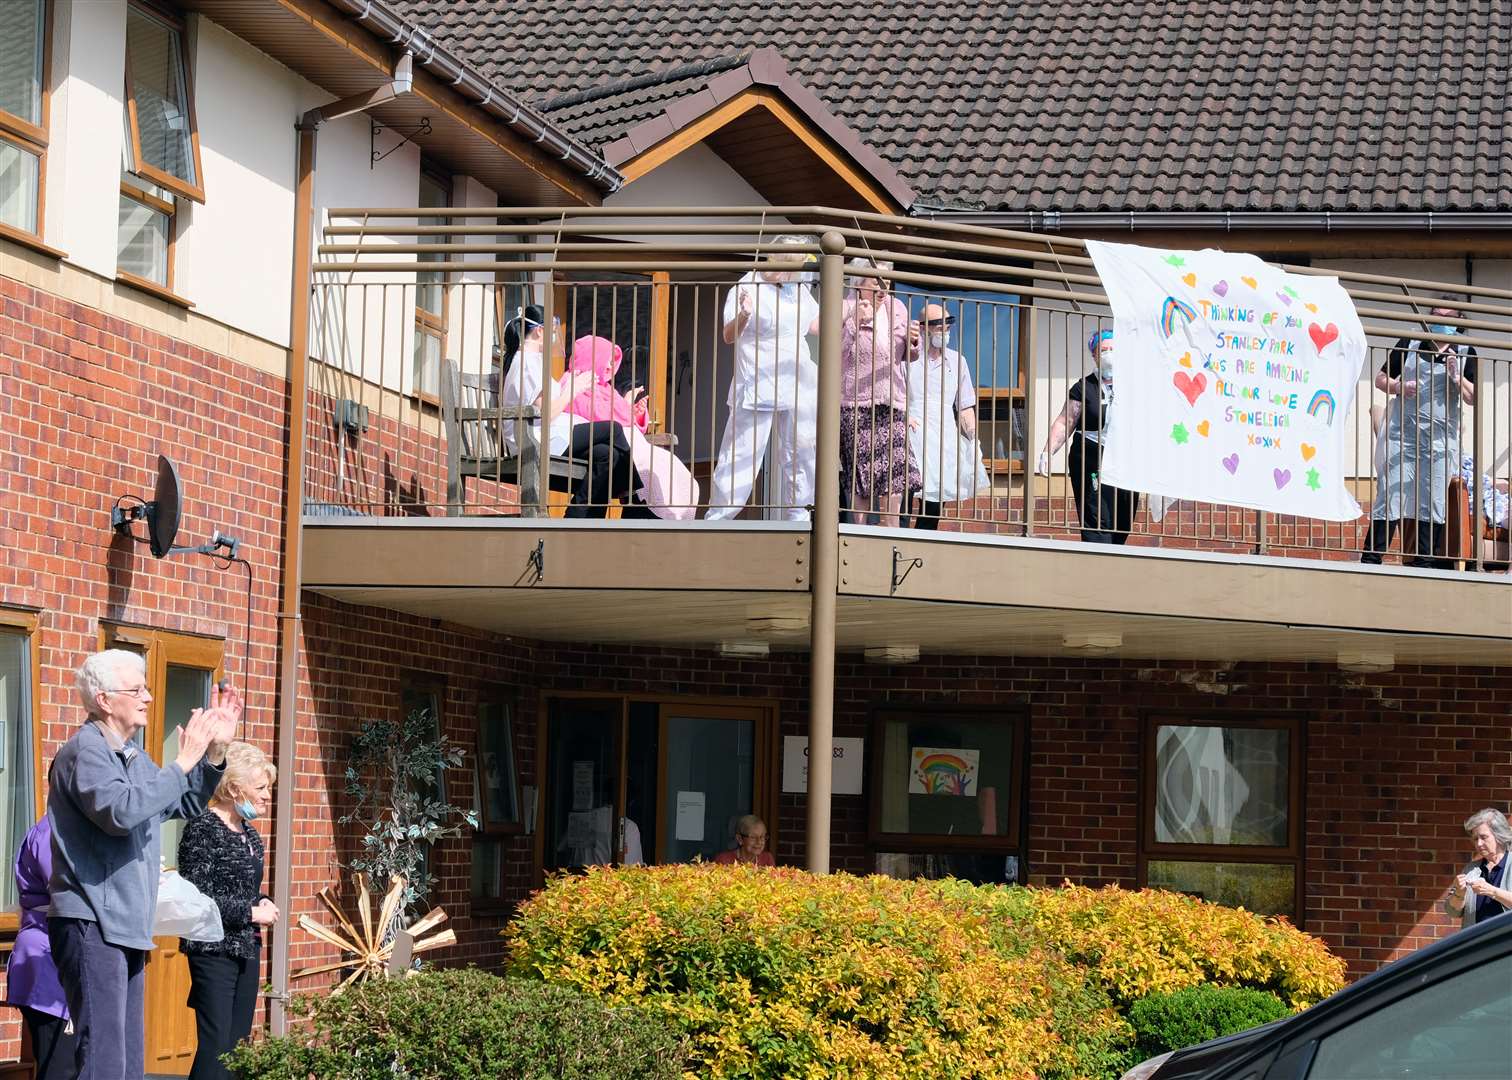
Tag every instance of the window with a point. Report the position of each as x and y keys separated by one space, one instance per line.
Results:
x=1459 y=1028
x=430 y=298
x=947 y=793
x=1222 y=813
x=23 y=113
x=497 y=798
x=160 y=128
x=19 y=760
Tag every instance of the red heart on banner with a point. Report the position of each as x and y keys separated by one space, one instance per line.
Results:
x=1322 y=336
x=1191 y=386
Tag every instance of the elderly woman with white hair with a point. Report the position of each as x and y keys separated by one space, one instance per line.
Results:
x=877 y=467
x=222 y=856
x=768 y=316
x=1484 y=890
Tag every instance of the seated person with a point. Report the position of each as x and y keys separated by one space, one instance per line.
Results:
x=750 y=844
x=1494 y=493
x=601 y=416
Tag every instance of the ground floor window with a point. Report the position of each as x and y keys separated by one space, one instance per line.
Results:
x=498 y=798
x=1222 y=810
x=18 y=749
x=629 y=780
x=947 y=793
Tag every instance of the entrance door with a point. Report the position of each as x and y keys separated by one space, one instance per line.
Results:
x=649 y=781
x=180 y=670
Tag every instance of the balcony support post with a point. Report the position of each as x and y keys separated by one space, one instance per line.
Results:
x=825 y=545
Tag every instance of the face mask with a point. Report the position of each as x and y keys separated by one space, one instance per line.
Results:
x=1440 y=328
x=247 y=810
x=937 y=339
x=1107 y=368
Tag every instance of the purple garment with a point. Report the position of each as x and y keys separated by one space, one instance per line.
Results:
x=33 y=980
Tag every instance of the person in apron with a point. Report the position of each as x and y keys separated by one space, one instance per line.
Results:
x=1427 y=381
x=1106 y=512
x=942 y=419
x=768 y=316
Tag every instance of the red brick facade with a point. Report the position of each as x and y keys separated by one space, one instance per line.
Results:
x=1394 y=762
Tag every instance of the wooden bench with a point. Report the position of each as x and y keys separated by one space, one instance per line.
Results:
x=474 y=423
x=1463 y=533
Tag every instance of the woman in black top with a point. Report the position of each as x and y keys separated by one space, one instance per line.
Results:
x=1106 y=512
x=1484 y=890
x=222 y=856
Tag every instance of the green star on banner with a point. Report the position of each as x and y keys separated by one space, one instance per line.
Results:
x=1312 y=479
x=1175 y=260
x=1179 y=434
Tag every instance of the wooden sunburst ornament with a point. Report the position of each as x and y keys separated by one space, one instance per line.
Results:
x=367 y=947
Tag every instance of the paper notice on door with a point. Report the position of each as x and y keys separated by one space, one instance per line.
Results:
x=582 y=785
x=690 y=816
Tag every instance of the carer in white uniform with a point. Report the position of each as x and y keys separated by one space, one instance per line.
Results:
x=768 y=316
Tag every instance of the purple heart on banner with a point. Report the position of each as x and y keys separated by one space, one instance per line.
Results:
x=1283 y=477
x=1231 y=463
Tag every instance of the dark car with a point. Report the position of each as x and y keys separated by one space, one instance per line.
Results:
x=1444 y=1013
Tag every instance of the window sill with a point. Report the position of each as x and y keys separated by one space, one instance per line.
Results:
x=152 y=288
x=30 y=241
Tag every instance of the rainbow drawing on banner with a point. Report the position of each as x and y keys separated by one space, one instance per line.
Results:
x=939 y=771
x=1173 y=309
x=1322 y=406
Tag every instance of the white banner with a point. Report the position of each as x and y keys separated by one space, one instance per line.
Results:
x=1234 y=380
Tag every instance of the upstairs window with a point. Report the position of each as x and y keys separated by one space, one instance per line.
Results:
x=145 y=230
x=160 y=104
x=23 y=113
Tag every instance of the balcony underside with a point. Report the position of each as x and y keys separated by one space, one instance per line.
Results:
x=698 y=585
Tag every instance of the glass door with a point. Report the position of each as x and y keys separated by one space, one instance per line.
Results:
x=584 y=791
x=712 y=775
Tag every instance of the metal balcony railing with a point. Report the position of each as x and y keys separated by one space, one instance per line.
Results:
x=665 y=363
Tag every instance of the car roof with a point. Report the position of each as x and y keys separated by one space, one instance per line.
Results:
x=1480 y=938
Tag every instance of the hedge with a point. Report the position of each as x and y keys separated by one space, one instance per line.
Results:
x=777 y=973
x=463 y=1024
x=1169 y=1021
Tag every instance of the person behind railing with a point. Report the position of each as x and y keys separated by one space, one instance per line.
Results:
x=877 y=466
x=601 y=419
x=942 y=417
x=1494 y=493
x=768 y=316
x=1106 y=513
x=521 y=370
x=1426 y=379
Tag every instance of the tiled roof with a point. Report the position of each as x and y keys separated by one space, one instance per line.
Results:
x=1182 y=105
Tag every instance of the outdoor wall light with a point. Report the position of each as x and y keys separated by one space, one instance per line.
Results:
x=1103 y=642
x=744 y=650
x=1366 y=662
x=892 y=654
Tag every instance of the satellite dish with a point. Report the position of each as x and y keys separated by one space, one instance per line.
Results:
x=164 y=509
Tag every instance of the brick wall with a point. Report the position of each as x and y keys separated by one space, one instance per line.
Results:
x=1395 y=762
x=87 y=402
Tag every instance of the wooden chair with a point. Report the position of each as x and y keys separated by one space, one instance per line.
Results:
x=474 y=424
x=1464 y=533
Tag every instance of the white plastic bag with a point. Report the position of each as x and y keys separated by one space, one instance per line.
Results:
x=183 y=911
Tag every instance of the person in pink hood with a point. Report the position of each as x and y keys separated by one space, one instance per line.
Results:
x=602 y=417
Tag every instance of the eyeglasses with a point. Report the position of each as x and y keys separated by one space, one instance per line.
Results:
x=135 y=691
x=754 y=836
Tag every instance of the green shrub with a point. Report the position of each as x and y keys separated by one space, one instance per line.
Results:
x=777 y=973
x=1169 y=1021
x=463 y=1024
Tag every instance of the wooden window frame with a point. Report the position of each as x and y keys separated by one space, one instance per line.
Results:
x=766 y=766
x=1294 y=852
x=33 y=138
x=27 y=624
x=428 y=324
x=192 y=191
x=1015 y=841
x=163 y=290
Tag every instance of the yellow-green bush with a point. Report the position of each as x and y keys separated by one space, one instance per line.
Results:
x=781 y=974
x=775 y=973
x=1137 y=943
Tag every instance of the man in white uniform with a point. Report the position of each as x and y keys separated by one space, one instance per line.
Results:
x=768 y=316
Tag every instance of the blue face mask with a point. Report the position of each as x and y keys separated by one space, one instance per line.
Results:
x=247 y=810
x=1440 y=328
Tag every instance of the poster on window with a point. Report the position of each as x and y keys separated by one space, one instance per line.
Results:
x=1232 y=381
x=935 y=770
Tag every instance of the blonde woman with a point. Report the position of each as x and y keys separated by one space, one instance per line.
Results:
x=222 y=855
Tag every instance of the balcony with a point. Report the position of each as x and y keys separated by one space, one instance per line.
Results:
x=967 y=520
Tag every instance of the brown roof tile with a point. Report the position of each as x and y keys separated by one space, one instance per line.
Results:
x=1185 y=105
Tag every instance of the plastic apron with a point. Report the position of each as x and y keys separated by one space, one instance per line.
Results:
x=949 y=461
x=1422 y=443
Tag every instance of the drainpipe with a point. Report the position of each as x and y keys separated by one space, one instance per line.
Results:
x=825 y=544
x=301 y=286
